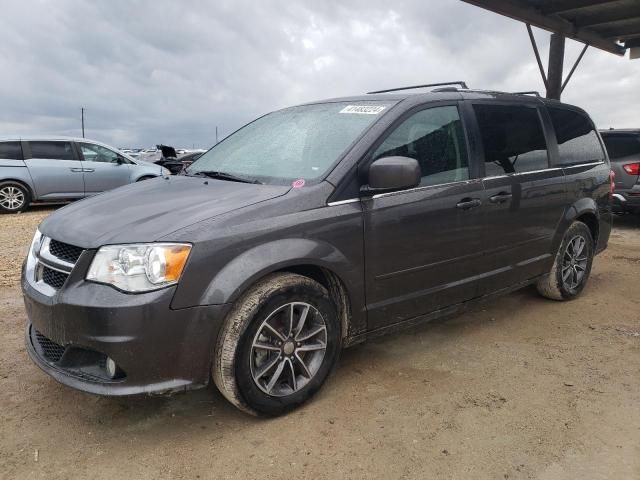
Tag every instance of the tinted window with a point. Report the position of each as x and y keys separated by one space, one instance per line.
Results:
x=513 y=139
x=620 y=146
x=434 y=137
x=10 y=151
x=97 y=153
x=57 y=150
x=577 y=140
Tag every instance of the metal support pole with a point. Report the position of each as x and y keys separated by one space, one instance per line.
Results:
x=534 y=45
x=82 y=111
x=556 y=61
x=573 y=69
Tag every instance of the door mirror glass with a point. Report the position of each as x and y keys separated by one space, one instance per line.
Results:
x=394 y=173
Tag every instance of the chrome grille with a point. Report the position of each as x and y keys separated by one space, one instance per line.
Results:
x=53 y=278
x=64 y=251
x=54 y=263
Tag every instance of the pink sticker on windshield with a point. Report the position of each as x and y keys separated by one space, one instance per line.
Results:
x=298 y=183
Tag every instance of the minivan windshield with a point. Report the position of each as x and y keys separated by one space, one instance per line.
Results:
x=298 y=143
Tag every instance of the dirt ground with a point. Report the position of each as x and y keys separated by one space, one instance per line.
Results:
x=518 y=388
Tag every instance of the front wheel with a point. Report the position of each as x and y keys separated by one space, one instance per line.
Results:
x=572 y=265
x=14 y=197
x=278 y=345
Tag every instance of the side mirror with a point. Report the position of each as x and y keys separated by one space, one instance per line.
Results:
x=393 y=173
x=120 y=160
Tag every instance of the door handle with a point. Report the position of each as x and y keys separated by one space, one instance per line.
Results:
x=467 y=203
x=88 y=170
x=77 y=170
x=500 y=197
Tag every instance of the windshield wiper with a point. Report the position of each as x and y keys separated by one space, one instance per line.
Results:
x=224 y=176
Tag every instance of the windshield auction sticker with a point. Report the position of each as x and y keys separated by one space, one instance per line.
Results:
x=363 y=109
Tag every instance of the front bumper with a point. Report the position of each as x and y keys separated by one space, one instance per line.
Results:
x=157 y=349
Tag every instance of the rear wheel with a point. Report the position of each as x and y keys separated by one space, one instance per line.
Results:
x=278 y=345
x=14 y=197
x=571 y=267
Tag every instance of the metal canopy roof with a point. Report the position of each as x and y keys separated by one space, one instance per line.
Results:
x=609 y=25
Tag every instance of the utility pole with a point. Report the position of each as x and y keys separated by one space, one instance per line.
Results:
x=216 y=134
x=82 y=110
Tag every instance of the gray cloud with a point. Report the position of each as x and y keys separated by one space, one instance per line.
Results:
x=160 y=71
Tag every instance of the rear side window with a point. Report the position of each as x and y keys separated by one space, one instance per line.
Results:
x=10 y=151
x=513 y=139
x=56 y=150
x=433 y=137
x=619 y=146
x=577 y=139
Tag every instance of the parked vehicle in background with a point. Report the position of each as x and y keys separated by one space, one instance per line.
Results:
x=623 y=146
x=169 y=159
x=132 y=152
x=56 y=169
x=313 y=228
x=175 y=161
x=189 y=157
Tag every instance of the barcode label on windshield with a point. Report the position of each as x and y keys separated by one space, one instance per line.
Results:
x=363 y=109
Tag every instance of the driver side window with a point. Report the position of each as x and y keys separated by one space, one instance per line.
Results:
x=97 y=153
x=434 y=137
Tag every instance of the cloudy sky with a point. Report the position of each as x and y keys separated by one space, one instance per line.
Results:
x=167 y=71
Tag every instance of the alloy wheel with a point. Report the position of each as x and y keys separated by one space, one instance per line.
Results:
x=288 y=349
x=574 y=262
x=11 y=198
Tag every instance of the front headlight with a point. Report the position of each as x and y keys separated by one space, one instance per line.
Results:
x=139 y=267
x=33 y=251
x=34 y=248
x=165 y=171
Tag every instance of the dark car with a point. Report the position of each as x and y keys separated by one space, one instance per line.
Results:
x=169 y=159
x=188 y=158
x=314 y=228
x=623 y=147
x=174 y=162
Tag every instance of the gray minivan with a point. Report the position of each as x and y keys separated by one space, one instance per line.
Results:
x=55 y=169
x=314 y=228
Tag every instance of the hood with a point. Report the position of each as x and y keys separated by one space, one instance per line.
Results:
x=147 y=211
x=144 y=163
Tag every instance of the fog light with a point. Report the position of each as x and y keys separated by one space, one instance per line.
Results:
x=111 y=367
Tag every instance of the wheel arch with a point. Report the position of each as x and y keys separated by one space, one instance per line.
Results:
x=584 y=210
x=334 y=285
x=314 y=259
x=21 y=182
x=591 y=220
x=144 y=176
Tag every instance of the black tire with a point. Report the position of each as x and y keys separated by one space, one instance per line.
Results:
x=236 y=356
x=146 y=177
x=14 y=197
x=567 y=277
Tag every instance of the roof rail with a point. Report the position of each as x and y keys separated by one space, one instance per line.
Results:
x=528 y=92
x=461 y=83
